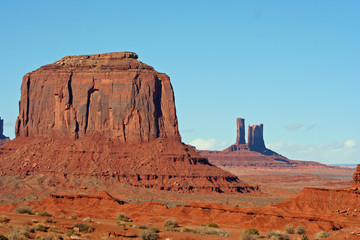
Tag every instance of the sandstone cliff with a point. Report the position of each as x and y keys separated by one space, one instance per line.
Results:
x=113 y=95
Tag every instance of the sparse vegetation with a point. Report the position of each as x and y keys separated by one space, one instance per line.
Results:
x=321 y=235
x=215 y=232
x=148 y=235
x=123 y=217
x=252 y=231
x=73 y=217
x=4 y=219
x=41 y=228
x=24 y=210
x=2 y=237
x=43 y=213
x=190 y=230
x=305 y=237
x=289 y=229
x=301 y=230
x=213 y=225
x=139 y=226
x=83 y=227
x=17 y=233
x=248 y=236
x=171 y=225
x=278 y=235
x=87 y=219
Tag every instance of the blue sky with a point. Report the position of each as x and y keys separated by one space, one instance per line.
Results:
x=292 y=65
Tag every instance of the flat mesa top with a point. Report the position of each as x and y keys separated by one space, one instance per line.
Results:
x=97 y=63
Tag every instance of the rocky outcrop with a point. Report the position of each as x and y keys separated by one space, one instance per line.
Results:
x=255 y=138
x=240 y=133
x=356 y=177
x=109 y=117
x=3 y=139
x=113 y=95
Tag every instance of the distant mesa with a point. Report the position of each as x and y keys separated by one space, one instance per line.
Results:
x=3 y=139
x=111 y=117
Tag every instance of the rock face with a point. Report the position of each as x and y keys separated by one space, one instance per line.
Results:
x=112 y=95
x=255 y=138
x=240 y=133
x=108 y=117
x=3 y=139
x=356 y=177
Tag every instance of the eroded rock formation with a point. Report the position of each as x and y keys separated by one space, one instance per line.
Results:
x=112 y=95
x=3 y=139
x=255 y=138
x=109 y=117
x=240 y=133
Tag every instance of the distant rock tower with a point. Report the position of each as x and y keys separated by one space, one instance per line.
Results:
x=255 y=138
x=3 y=139
x=240 y=136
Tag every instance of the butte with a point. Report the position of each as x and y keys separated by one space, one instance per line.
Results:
x=109 y=117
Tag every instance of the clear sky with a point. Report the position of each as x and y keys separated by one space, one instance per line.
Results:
x=292 y=65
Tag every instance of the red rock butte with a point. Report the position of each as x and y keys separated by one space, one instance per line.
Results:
x=107 y=116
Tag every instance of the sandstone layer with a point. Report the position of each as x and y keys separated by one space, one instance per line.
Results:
x=112 y=117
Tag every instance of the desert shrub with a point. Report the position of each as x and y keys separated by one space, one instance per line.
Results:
x=17 y=233
x=215 y=232
x=304 y=237
x=321 y=235
x=41 y=228
x=24 y=210
x=248 y=236
x=60 y=237
x=154 y=229
x=278 y=235
x=4 y=219
x=252 y=231
x=73 y=217
x=123 y=217
x=83 y=227
x=213 y=225
x=2 y=237
x=171 y=225
x=43 y=213
x=148 y=235
x=87 y=219
x=69 y=233
x=140 y=226
x=190 y=230
x=46 y=238
x=289 y=229
x=301 y=230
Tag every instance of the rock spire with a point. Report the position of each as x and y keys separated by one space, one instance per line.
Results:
x=3 y=139
x=240 y=133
